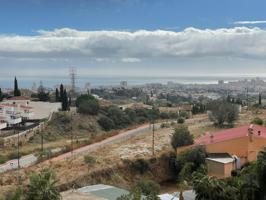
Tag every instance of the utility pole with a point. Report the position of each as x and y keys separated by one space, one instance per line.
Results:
x=153 y=150
x=18 y=155
x=71 y=134
x=42 y=142
x=247 y=97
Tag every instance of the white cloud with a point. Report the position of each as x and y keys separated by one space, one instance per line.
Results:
x=135 y=46
x=130 y=60
x=250 y=22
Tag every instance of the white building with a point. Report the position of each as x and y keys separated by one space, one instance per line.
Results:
x=123 y=84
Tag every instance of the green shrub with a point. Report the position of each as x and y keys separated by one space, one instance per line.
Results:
x=106 y=123
x=87 y=104
x=181 y=137
x=89 y=160
x=140 y=165
x=257 y=121
x=165 y=125
x=13 y=155
x=3 y=159
x=148 y=187
x=183 y=114
x=180 y=120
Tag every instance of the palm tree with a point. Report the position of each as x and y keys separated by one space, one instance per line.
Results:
x=42 y=186
x=250 y=187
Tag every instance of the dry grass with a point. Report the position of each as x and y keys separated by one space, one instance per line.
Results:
x=111 y=156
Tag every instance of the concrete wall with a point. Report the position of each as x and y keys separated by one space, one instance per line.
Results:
x=23 y=136
x=238 y=147
x=219 y=170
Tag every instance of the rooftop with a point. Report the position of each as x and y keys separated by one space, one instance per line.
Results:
x=233 y=133
x=19 y=98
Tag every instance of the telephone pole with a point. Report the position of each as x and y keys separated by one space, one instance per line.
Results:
x=153 y=150
x=72 y=148
x=18 y=154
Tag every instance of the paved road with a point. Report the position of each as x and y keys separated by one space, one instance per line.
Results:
x=117 y=138
x=29 y=160
x=25 y=161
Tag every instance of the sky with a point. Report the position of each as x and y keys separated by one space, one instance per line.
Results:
x=132 y=37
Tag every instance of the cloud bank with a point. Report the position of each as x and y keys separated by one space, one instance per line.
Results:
x=250 y=22
x=123 y=46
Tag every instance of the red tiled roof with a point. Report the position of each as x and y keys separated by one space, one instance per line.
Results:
x=26 y=107
x=19 y=98
x=8 y=105
x=258 y=131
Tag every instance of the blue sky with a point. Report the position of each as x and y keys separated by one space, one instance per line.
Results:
x=31 y=15
x=133 y=37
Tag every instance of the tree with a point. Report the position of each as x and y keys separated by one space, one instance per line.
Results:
x=119 y=117
x=57 y=97
x=64 y=101
x=106 y=123
x=181 y=137
x=250 y=189
x=222 y=111
x=1 y=95
x=209 y=188
x=259 y=98
x=16 y=90
x=148 y=187
x=189 y=161
x=261 y=171
x=61 y=94
x=87 y=104
x=42 y=95
x=42 y=186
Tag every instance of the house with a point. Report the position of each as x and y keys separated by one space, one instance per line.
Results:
x=10 y=114
x=241 y=143
x=221 y=164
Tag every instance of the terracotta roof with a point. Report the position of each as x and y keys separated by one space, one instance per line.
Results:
x=26 y=107
x=19 y=98
x=8 y=105
x=233 y=133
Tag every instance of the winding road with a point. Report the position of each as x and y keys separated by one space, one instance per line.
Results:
x=31 y=159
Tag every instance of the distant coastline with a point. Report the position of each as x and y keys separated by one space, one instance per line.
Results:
x=96 y=81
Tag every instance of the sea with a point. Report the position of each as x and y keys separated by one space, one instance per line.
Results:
x=96 y=81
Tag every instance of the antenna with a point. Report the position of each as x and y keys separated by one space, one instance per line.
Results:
x=73 y=76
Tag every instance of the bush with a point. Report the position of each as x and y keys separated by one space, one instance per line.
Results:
x=3 y=159
x=165 y=125
x=164 y=115
x=42 y=186
x=180 y=120
x=106 y=123
x=181 y=137
x=183 y=114
x=257 y=121
x=148 y=187
x=89 y=160
x=87 y=104
x=189 y=161
x=90 y=107
x=119 y=118
x=140 y=165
